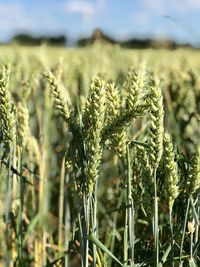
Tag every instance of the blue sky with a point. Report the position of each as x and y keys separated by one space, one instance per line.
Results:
x=119 y=18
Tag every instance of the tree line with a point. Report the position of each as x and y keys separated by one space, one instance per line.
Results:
x=97 y=36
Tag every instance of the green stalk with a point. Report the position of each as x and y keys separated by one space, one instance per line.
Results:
x=61 y=205
x=191 y=245
x=183 y=234
x=126 y=238
x=8 y=205
x=130 y=210
x=172 y=237
x=156 y=229
x=81 y=230
x=116 y=215
x=20 y=232
x=94 y=221
x=126 y=243
x=86 y=205
x=67 y=221
x=196 y=237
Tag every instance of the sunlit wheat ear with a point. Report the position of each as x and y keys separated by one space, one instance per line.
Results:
x=60 y=101
x=156 y=129
x=57 y=70
x=135 y=84
x=171 y=171
x=193 y=181
x=25 y=138
x=113 y=101
x=125 y=118
x=23 y=129
x=7 y=115
x=94 y=110
x=119 y=139
x=93 y=123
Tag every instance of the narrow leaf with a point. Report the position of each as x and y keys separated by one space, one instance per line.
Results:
x=98 y=243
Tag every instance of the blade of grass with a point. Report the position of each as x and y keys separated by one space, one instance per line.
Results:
x=98 y=243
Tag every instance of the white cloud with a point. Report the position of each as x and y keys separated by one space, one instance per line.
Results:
x=86 y=9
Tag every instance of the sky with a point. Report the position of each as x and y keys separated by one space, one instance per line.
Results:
x=175 y=19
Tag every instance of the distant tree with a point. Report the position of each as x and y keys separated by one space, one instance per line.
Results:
x=83 y=42
x=163 y=43
x=97 y=37
x=26 y=39
x=59 y=40
x=136 y=43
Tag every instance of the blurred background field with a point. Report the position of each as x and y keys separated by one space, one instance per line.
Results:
x=99 y=133
x=45 y=194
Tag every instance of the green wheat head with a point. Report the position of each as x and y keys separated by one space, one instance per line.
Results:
x=93 y=121
x=193 y=181
x=118 y=140
x=60 y=101
x=7 y=115
x=156 y=129
x=171 y=171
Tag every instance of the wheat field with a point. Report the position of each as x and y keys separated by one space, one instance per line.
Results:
x=99 y=157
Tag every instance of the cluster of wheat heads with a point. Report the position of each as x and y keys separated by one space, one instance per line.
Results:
x=99 y=165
